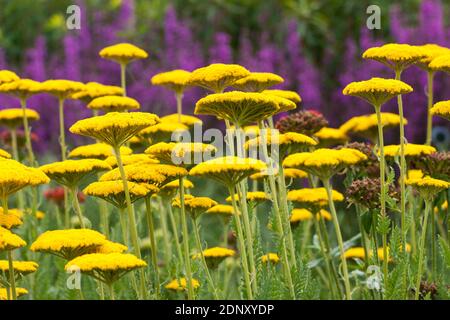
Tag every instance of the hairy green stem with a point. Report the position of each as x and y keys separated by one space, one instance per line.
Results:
x=151 y=231
x=123 y=78
x=174 y=231
x=179 y=98
x=76 y=204
x=428 y=208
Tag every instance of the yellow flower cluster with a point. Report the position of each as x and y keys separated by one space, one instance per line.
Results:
x=431 y=51
x=61 y=88
x=395 y=55
x=171 y=151
x=106 y=189
x=163 y=129
x=94 y=90
x=113 y=103
x=175 y=80
x=110 y=262
x=428 y=182
x=185 y=119
x=195 y=203
x=19 y=292
x=22 y=267
x=287 y=138
x=4 y=154
x=123 y=53
x=9 y=220
x=99 y=151
x=302 y=214
x=217 y=76
x=270 y=257
x=181 y=284
x=21 y=88
x=8 y=76
x=290 y=95
x=131 y=159
x=283 y=103
x=441 y=63
x=313 y=196
x=441 y=109
x=221 y=209
x=414 y=174
x=331 y=134
x=13 y=117
x=175 y=184
x=9 y=240
x=255 y=196
x=111 y=247
x=218 y=252
x=257 y=81
x=365 y=123
x=411 y=150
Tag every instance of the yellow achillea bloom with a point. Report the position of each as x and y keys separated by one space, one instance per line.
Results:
x=122 y=53
x=9 y=220
x=4 y=154
x=61 y=88
x=217 y=76
x=15 y=176
x=99 y=151
x=107 y=267
x=195 y=205
x=8 y=76
x=19 y=292
x=111 y=247
x=114 y=104
x=395 y=56
x=331 y=136
x=114 y=128
x=441 y=63
x=283 y=103
x=221 y=209
x=270 y=257
x=131 y=159
x=185 y=119
x=214 y=256
x=20 y=267
x=175 y=184
x=411 y=150
x=250 y=131
x=290 y=95
x=22 y=88
x=367 y=125
x=113 y=192
x=163 y=131
x=175 y=80
x=428 y=187
x=313 y=196
x=69 y=243
x=431 y=51
x=377 y=91
x=137 y=173
x=181 y=284
x=252 y=196
x=180 y=152
x=257 y=81
x=240 y=108
x=441 y=109
x=228 y=170
x=70 y=172
x=301 y=214
x=94 y=90
x=9 y=240
x=324 y=163
x=294 y=173
x=355 y=253
x=13 y=117
x=415 y=174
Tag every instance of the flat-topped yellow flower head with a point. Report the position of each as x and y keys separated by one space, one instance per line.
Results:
x=283 y=103
x=94 y=90
x=20 y=267
x=8 y=76
x=428 y=187
x=69 y=243
x=70 y=172
x=240 y=108
x=411 y=150
x=377 y=91
x=9 y=240
x=9 y=220
x=355 y=253
x=252 y=196
x=131 y=159
x=287 y=94
x=273 y=258
x=106 y=267
x=99 y=151
x=175 y=184
x=257 y=81
x=214 y=256
x=195 y=206
x=15 y=176
x=441 y=63
x=324 y=163
x=22 y=88
x=395 y=56
x=301 y=214
x=114 y=128
x=123 y=53
x=185 y=119
x=114 y=104
x=163 y=131
x=180 y=153
x=113 y=191
x=181 y=284
x=175 y=80
x=13 y=117
x=111 y=247
x=431 y=51
x=61 y=88
x=217 y=76
x=140 y=172
x=221 y=209
x=441 y=109
x=228 y=170
x=19 y=292
x=4 y=154
x=331 y=137
x=313 y=197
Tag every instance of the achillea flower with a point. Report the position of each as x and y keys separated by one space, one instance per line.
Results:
x=411 y=150
x=270 y=257
x=13 y=118
x=428 y=187
x=324 y=163
x=113 y=191
x=175 y=184
x=70 y=172
x=60 y=88
x=217 y=76
x=330 y=137
x=289 y=173
x=252 y=196
x=94 y=90
x=175 y=80
x=8 y=76
x=185 y=153
x=366 y=192
x=181 y=284
x=131 y=159
x=228 y=170
x=377 y=91
x=395 y=56
x=257 y=81
x=214 y=256
x=441 y=63
x=163 y=132
x=106 y=267
x=185 y=119
x=441 y=109
x=306 y=122
x=99 y=151
x=302 y=214
x=114 y=104
x=195 y=206
x=147 y=173
x=240 y=108
x=431 y=52
x=283 y=103
x=436 y=164
x=290 y=95
x=414 y=174
x=69 y=243
x=355 y=253
x=221 y=209
x=9 y=220
x=4 y=154
x=19 y=292
x=114 y=128
x=369 y=166
x=315 y=197
x=22 y=88
x=9 y=240
x=111 y=247
x=122 y=53
x=20 y=267
x=251 y=131
x=15 y=176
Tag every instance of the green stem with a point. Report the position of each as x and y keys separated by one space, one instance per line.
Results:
x=111 y=291
x=179 y=98
x=428 y=208
x=430 y=77
x=151 y=230
x=337 y=228
x=26 y=127
x=175 y=232
x=123 y=78
x=15 y=150
x=433 y=248
x=76 y=203
x=12 y=278
x=187 y=258
x=104 y=215
x=166 y=237
x=363 y=237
